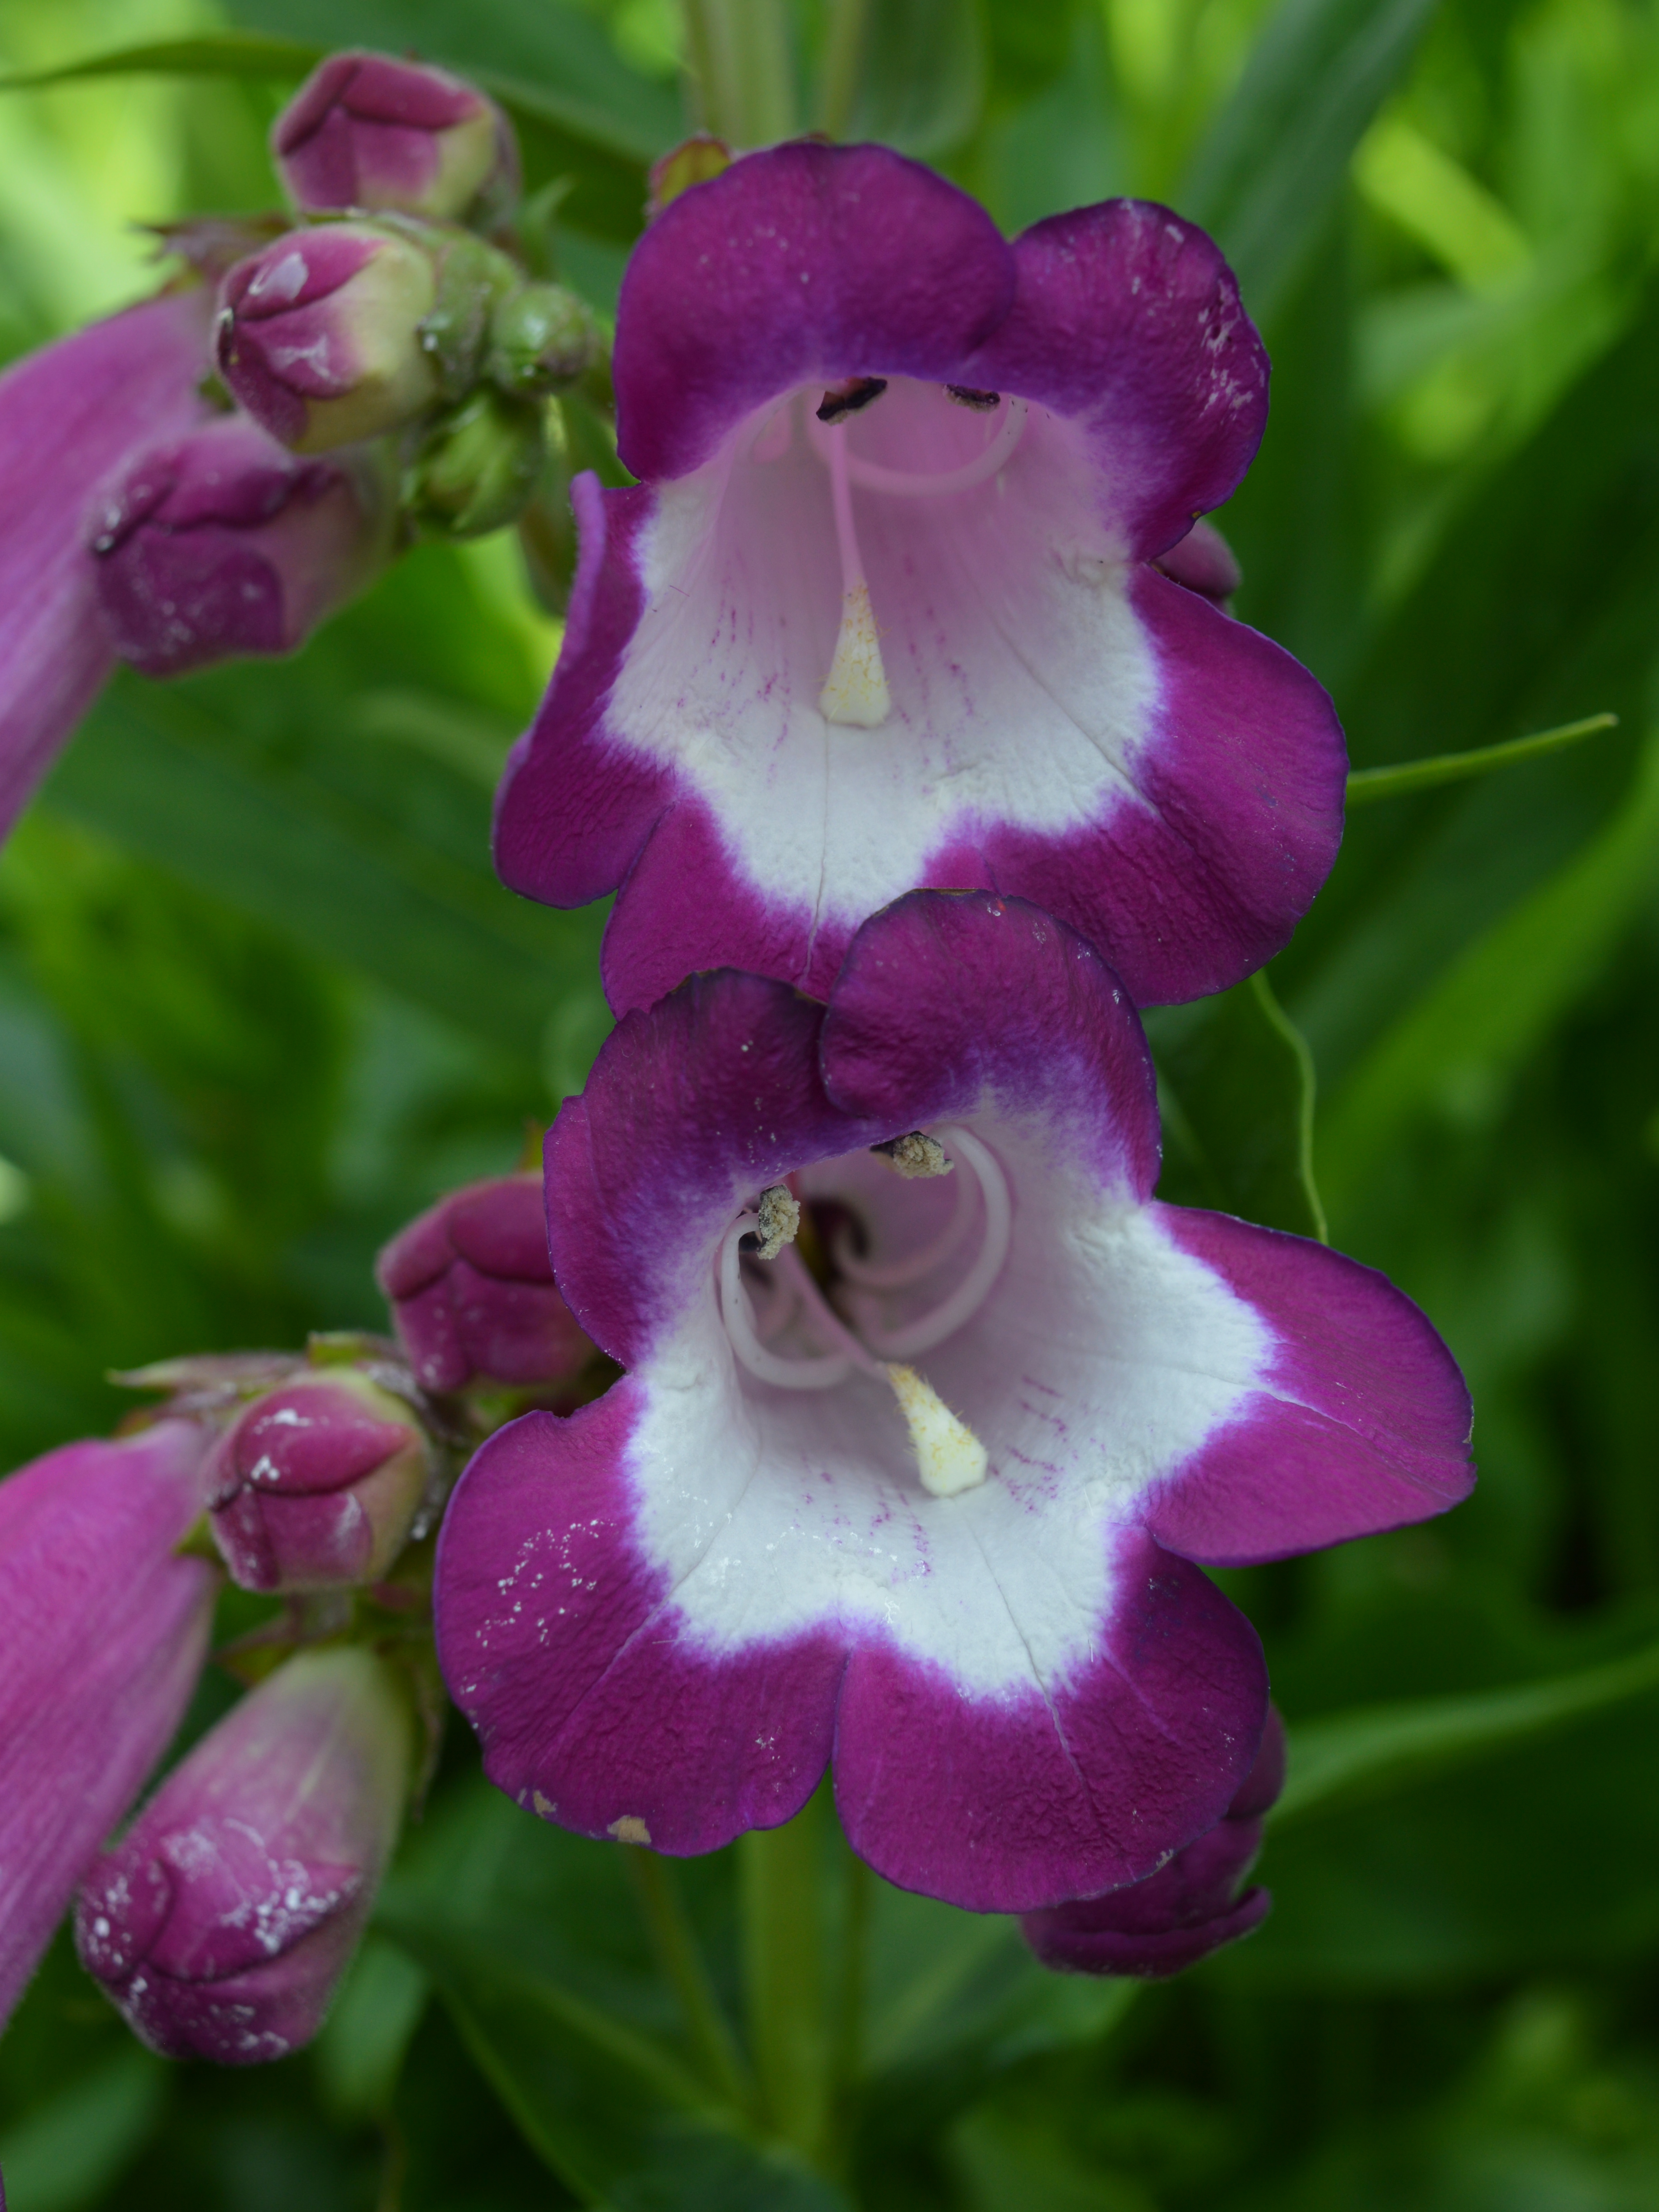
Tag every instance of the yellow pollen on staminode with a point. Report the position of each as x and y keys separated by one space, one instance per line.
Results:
x=950 y=1455
x=855 y=690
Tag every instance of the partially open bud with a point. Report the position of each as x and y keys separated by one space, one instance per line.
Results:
x=1189 y=1908
x=471 y=1290
x=541 y=340
x=223 y=543
x=222 y=1922
x=320 y=337
x=366 y=131
x=317 y=1483
x=102 y=1636
x=477 y=467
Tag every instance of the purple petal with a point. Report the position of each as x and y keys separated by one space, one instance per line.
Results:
x=803 y=262
x=1362 y=1421
x=1147 y=1955
x=68 y=415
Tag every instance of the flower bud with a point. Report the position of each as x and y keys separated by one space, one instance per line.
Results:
x=102 y=1636
x=366 y=131
x=222 y=543
x=222 y=1922
x=541 y=337
x=1203 y=561
x=1189 y=1908
x=476 y=466
x=694 y=162
x=317 y=1483
x=320 y=337
x=471 y=1290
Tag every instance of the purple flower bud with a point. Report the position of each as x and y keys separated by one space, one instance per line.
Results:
x=471 y=1290
x=365 y=131
x=222 y=1923
x=223 y=543
x=320 y=336
x=70 y=415
x=317 y=1483
x=1189 y=1908
x=102 y=1636
x=1204 y=561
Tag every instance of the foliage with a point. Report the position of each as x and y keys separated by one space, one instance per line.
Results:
x=261 y=999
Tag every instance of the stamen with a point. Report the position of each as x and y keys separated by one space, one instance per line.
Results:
x=919 y=484
x=965 y=396
x=779 y=1219
x=854 y=691
x=950 y=1455
x=928 y=1329
x=848 y=398
x=915 y=1154
x=736 y=1312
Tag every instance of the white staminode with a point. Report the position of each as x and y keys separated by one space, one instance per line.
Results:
x=949 y=1457
x=854 y=691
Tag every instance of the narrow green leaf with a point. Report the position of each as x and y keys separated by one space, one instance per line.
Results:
x=1366 y=784
x=1236 y=1087
x=68 y=2151
x=1370 y=1753
x=1265 y=175
x=230 y=53
x=1455 y=1050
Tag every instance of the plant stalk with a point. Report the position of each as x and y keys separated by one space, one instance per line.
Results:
x=739 y=80
x=681 y=1960
x=789 y=2042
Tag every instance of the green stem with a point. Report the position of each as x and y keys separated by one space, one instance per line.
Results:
x=843 y=51
x=740 y=83
x=1366 y=784
x=681 y=1960
x=857 y=1896
x=783 y=1971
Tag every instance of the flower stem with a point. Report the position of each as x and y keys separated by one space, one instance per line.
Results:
x=740 y=82
x=782 y=1874
x=843 y=51
x=681 y=1960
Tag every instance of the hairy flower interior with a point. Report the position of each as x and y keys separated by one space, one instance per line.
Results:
x=878 y=1330
x=855 y=692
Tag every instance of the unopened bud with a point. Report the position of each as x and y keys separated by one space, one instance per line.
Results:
x=317 y=1483
x=1191 y=1906
x=694 y=162
x=320 y=337
x=102 y=1636
x=476 y=468
x=223 y=542
x=541 y=338
x=1204 y=562
x=471 y=1290
x=222 y=1922
x=366 y=131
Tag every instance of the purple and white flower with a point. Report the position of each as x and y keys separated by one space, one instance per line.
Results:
x=221 y=1921
x=102 y=1635
x=917 y=1445
x=70 y=415
x=1190 y=1907
x=881 y=611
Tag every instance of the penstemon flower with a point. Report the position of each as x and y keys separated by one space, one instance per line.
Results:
x=881 y=611
x=930 y=1410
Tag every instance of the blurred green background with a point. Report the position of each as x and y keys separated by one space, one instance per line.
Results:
x=261 y=999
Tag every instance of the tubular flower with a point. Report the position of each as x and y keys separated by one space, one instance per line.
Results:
x=222 y=1923
x=70 y=416
x=367 y=130
x=223 y=543
x=102 y=1636
x=881 y=612
x=917 y=1445
x=1189 y=1908
x=317 y=1483
x=471 y=1291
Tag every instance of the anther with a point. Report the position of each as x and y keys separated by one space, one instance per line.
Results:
x=965 y=396
x=847 y=398
x=915 y=1154
x=948 y=1455
x=777 y=1217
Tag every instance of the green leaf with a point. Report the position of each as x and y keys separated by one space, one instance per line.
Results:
x=232 y=53
x=1455 y=1049
x=1368 y=784
x=920 y=80
x=1235 y=1085
x=1268 y=173
x=67 y=2152
x=361 y=2051
x=1359 y=1756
